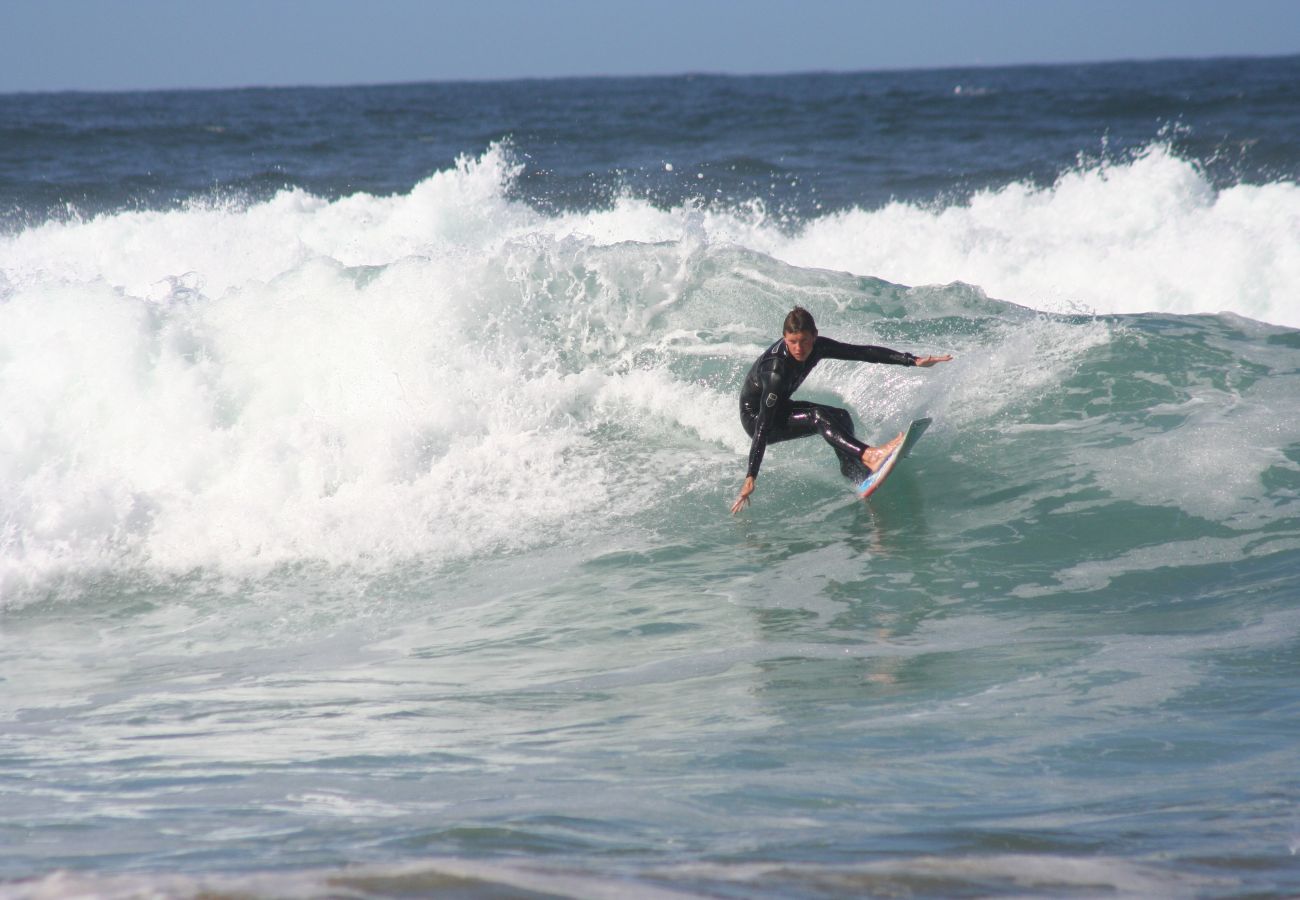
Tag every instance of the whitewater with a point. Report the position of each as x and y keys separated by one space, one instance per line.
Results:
x=330 y=380
x=369 y=541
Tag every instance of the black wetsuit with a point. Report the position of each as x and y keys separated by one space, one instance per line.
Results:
x=770 y=416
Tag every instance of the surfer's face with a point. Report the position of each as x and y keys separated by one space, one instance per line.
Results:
x=800 y=343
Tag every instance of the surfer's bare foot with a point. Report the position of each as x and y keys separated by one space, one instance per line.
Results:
x=872 y=457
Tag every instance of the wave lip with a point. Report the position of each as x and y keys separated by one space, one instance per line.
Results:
x=1148 y=235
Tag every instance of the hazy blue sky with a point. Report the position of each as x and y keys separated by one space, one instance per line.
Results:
x=130 y=44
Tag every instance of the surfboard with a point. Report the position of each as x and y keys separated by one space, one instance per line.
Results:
x=873 y=481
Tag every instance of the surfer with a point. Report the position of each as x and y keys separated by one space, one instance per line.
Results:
x=770 y=416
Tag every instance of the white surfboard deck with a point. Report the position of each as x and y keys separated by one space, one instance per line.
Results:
x=873 y=481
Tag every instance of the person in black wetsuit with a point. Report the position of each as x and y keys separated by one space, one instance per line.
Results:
x=770 y=416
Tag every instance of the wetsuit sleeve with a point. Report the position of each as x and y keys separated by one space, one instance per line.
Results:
x=771 y=403
x=833 y=349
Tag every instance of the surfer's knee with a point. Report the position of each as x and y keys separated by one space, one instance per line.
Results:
x=828 y=424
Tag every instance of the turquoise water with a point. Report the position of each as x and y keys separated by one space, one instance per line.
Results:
x=378 y=545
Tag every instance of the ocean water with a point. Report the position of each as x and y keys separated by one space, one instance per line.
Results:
x=366 y=455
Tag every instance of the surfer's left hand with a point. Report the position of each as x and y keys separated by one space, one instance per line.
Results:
x=927 y=361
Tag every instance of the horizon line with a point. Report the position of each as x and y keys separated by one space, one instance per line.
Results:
x=976 y=66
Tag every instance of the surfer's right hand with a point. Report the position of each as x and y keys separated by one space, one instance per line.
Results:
x=743 y=500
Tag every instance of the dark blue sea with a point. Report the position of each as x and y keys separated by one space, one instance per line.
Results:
x=366 y=456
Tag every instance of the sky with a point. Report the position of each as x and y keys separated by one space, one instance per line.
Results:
x=114 y=45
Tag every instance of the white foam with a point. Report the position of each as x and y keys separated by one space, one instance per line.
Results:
x=1150 y=235
x=431 y=374
x=420 y=376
